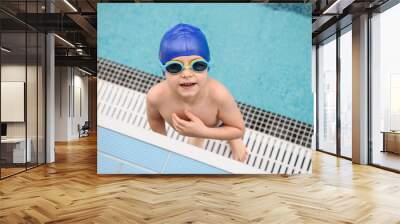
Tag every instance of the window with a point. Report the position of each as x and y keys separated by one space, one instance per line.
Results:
x=327 y=95
x=385 y=89
x=346 y=92
x=22 y=76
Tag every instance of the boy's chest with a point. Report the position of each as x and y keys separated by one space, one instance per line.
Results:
x=206 y=111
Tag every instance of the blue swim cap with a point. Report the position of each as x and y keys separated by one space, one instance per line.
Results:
x=183 y=40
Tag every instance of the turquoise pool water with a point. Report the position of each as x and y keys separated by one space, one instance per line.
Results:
x=261 y=52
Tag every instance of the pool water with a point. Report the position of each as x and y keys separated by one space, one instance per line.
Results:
x=260 y=52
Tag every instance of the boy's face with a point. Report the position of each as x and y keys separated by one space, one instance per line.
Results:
x=187 y=83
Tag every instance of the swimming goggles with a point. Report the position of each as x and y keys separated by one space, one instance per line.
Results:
x=175 y=67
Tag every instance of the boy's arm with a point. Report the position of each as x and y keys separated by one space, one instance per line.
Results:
x=229 y=114
x=156 y=121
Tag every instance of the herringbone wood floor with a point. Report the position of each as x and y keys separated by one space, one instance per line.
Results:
x=70 y=191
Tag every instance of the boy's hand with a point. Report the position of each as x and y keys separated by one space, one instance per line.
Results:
x=239 y=150
x=192 y=128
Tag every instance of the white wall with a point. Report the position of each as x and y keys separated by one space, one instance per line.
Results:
x=80 y=109
x=12 y=73
x=71 y=87
x=34 y=124
x=62 y=81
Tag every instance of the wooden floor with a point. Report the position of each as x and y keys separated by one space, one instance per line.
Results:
x=70 y=191
x=10 y=171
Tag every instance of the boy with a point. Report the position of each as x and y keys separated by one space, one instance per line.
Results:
x=188 y=100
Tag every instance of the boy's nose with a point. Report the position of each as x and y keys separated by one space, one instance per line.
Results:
x=186 y=73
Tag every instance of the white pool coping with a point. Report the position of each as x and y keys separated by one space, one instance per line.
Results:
x=181 y=148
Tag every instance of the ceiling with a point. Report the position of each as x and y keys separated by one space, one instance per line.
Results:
x=76 y=22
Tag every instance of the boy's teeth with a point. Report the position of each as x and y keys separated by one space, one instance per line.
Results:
x=187 y=84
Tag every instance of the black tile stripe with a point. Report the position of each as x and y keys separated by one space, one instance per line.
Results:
x=255 y=118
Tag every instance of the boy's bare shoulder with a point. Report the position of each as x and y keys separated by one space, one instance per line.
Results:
x=219 y=92
x=155 y=93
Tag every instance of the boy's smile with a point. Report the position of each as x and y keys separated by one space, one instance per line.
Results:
x=187 y=85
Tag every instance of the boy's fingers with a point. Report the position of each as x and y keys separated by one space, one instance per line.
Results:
x=244 y=156
x=181 y=121
x=177 y=117
x=177 y=128
x=190 y=115
x=173 y=116
x=176 y=125
x=173 y=121
x=177 y=120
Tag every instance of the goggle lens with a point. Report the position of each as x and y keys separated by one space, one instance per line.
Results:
x=199 y=66
x=175 y=67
